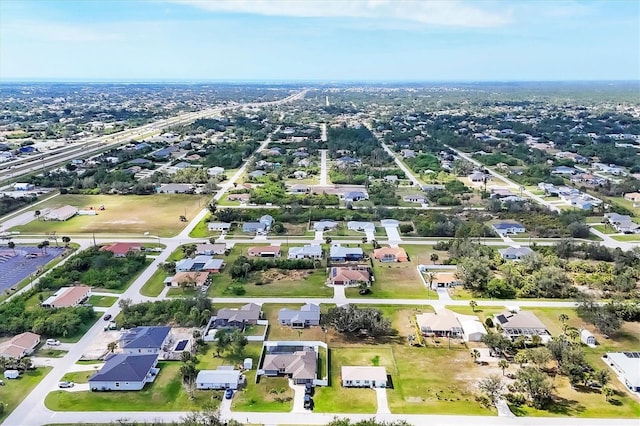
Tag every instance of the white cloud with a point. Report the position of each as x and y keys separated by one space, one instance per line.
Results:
x=453 y=13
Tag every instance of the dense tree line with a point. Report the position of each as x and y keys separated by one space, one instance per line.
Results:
x=183 y=312
x=276 y=193
x=95 y=268
x=353 y=320
x=9 y=204
x=18 y=316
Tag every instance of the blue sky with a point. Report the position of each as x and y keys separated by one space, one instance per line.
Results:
x=380 y=40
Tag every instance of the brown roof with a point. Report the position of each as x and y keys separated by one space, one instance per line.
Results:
x=444 y=320
x=346 y=274
x=121 y=248
x=200 y=277
x=300 y=365
x=398 y=252
x=26 y=340
x=70 y=296
x=264 y=249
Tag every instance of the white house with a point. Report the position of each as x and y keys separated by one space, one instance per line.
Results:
x=309 y=251
x=363 y=377
x=215 y=171
x=472 y=330
x=218 y=226
x=125 y=372
x=61 y=214
x=627 y=367
x=515 y=253
x=224 y=377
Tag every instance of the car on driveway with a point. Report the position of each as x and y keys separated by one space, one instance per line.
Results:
x=53 y=342
x=228 y=394
x=308 y=402
x=65 y=385
x=107 y=317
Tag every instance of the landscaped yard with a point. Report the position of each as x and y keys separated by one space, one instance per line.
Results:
x=102 y=301
x=131 y=214
x=14 y=391
x=165 y=394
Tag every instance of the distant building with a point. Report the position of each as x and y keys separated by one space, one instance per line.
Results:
x=61 y=214
x=224 y=377
x=145 y=340
x=338 y=253
x=175 y=188
x=121 y=249
x=67 y=297
x=522 y=323
x=219 y=226
x=509 y=228
x=264 y=251
x=515 y=253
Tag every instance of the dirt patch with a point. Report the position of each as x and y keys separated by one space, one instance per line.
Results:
x=280 y=275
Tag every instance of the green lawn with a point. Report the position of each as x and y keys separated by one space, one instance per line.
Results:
x=132 y=214
x=102 y=301
x=632 y=237
x=47 y=352
x=81 y=332
x=165 y=394
x=79 y=376
x=201 y=230
x=604 y=229
x=394 y=281
x=281 y=283
x=14 y=391
x=153 y=287
x=271 y=394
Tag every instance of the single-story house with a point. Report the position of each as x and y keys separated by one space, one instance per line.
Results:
x=515 y=252
x=338 y=253
x=61 y=213
x=444 y=279
x=444 y=323
x=509 y=228
x=622 y=223
x=224 y=377
x=263 y=225
x=300 y=366
x=479 y=177
x=248 y=314
x=432 y=187
x=23 y=186
x=363 y=377
x=390 y=254
x=218 y=226
x=299 y=174
x=121 y=249
x=145 y=340
x=215 y=171
x=632 y=196
x=256 y=174
x=309 y=251
x=175 y=188
x=198 y=278
x=391 y=179
x=210 y=249
x=264 y=251
x=200 y=263
x=352 y=196
x=587 y=338
x=325 y=225
x=521 y=323
x=67 y=297
x=348 y=277
x=563 y=170
x=307 y=315
x=361 y=226
x=124 y=372
x=627 y=367
x=299 y=189
x=415 y=198
x=20 y=346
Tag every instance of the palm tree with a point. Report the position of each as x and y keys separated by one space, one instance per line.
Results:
x=536 y=340
x=40 y=245
x=223 y=341
x=563 y=319
x=434 y=257
x=473 y=305
x=37 y=214
x=608 y=393
x=503 y=364
x=431 y=276
x=12 y=246
x=475 y=354
x=66 y=241
x=111 y=347
x=45 y=244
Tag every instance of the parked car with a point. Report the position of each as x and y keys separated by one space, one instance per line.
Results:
x=308 y=402
x=53 y=342
x=107 y=317
x=309 y=389
x=228 y=394
x=65 y=385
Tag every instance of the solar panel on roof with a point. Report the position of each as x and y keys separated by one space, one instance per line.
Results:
x=181 y=345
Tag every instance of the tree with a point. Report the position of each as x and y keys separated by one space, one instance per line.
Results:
x=238 y=342
x=503 y=364
x=351 y=319
x=475 y=354
x=492 y=386
x=431 y=277
x=473 y=305
x=12 y=246
x=536 y=340
x=189 y=250
x=37 y=214
x=212 y=207
x=521 y=358
x=45 y=244
x=535 y=384
x=563 y=319
x=497 y=343
x=111 y=347
x=328 y=240
x=608 y=393
x=223 y=341
x=474 y=274
x=602 y=377
x=539 y=356
x=434 y=257
x=66 y=241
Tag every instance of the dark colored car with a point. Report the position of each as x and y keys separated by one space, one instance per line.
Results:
x=228 y=394
x=309 y=389
x=107 y=317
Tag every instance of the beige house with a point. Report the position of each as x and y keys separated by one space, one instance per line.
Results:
x=20 y=346
x=67 y=297
x=363 y=377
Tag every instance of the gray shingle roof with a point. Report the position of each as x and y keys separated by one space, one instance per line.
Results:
x=125 y=368
x=144 y=337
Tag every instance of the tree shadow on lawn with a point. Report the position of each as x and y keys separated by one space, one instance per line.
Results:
x=566 y=407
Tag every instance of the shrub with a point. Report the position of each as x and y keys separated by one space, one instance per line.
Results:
x=489 y=322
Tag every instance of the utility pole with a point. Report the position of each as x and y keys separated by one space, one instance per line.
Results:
x=94 y=239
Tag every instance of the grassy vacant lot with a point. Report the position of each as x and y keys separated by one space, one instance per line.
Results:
x=283 y=283
x=632 y=237
x=79 y=376
x=394 y=280
x=46 y=352
x=271 y=394
x=133 y=214
x=154 y=286
x=102 y=301
x=14 y=391
x=165 y=394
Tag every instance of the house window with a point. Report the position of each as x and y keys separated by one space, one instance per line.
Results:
x=117 y=384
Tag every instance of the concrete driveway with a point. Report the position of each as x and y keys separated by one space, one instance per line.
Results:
x=383 y=403
x=298 y=398
x=393 y=235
